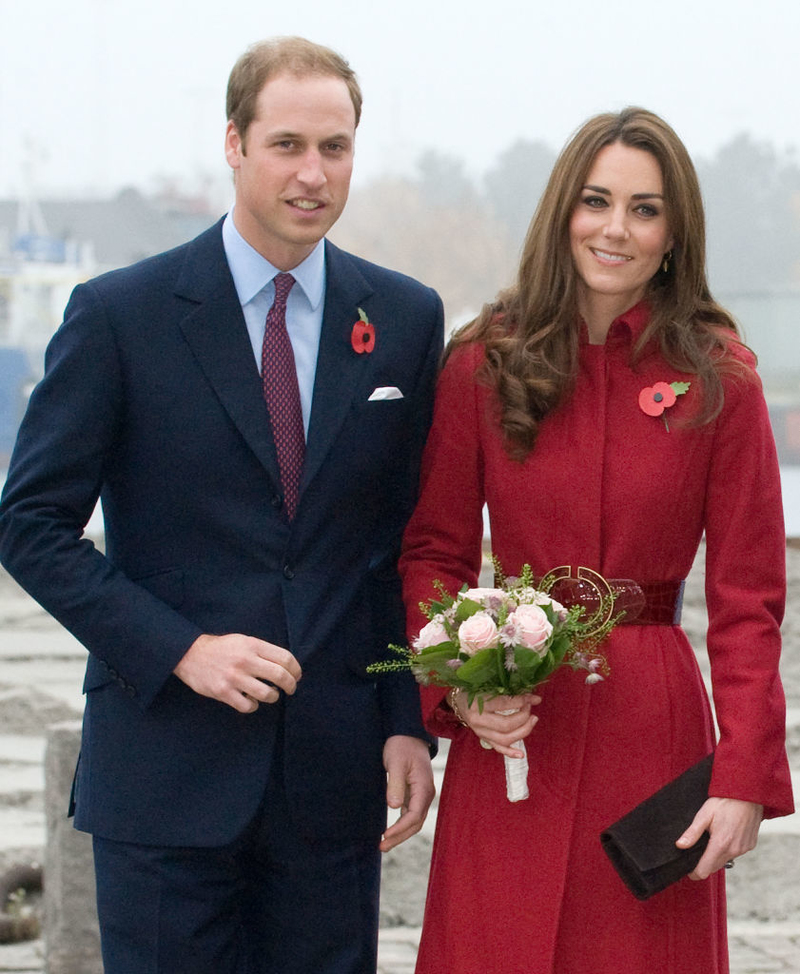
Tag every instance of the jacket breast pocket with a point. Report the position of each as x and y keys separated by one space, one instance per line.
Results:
x=380 y=421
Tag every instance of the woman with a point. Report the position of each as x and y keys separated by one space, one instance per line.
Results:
x=557 y=408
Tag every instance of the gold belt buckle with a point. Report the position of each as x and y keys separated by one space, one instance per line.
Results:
x=585 y=587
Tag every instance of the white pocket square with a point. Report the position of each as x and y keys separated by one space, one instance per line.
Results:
x=385 y=392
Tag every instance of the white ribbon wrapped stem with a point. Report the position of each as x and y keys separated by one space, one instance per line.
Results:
x=516 y=769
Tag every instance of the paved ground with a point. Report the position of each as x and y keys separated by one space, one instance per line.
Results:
x=40 y=675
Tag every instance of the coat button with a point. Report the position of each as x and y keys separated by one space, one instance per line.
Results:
x=288 y=572
x=276 y=501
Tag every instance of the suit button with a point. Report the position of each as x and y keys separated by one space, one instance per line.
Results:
x=287 y=572
x=277 y=501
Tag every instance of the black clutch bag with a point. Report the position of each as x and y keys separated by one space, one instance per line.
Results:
x=641 y=845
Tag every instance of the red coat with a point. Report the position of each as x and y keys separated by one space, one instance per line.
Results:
x=526 y=887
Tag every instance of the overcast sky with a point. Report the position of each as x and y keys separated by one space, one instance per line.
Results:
x=97 y=94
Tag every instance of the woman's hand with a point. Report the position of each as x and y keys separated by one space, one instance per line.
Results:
x=733 y=826
x=499 y=730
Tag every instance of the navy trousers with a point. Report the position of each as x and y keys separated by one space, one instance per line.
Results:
x=271 y=902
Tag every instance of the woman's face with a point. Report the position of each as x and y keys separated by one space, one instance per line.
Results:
x=619 y=230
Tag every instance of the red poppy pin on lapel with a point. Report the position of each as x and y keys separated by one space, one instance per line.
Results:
x=362 y=337
x=653 y=400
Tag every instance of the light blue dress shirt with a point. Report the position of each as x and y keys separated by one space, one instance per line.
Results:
x=253 y=276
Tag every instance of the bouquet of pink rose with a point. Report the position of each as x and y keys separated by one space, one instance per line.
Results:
x=503 y=642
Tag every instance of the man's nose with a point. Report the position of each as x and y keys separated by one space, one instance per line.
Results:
x=311 y=171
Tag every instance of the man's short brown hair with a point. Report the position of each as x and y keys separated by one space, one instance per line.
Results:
x=266 y=59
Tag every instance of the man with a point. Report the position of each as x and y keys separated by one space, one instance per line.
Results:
x=236 y=759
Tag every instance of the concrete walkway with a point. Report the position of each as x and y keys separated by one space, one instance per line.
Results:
x=41 y=669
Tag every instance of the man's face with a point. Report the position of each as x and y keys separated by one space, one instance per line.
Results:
x=292 y=171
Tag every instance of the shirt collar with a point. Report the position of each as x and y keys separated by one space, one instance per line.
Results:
x=251 y=272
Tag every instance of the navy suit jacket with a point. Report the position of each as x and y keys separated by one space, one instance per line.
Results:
x=152 y=400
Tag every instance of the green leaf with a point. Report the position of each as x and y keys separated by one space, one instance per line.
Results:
x=467 y=608
x=480 y=669
x=528 y=663
x=558 y=648
x=445 y=648
x=679 y=388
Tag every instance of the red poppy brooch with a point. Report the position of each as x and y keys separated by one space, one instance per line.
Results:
x=653 y=400
x=362 y=337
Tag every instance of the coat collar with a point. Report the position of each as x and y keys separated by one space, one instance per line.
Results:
x=626 y=328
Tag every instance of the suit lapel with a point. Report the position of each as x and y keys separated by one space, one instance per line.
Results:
x=217 y=335
x=341 y=372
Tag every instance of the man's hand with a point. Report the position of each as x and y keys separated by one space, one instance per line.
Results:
x=733 y=825
x=238 y=670
x=409 y=786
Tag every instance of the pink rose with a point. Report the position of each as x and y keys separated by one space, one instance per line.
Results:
x=533 y=627
x=431 y=635
x=477 y=633
x=479 y=594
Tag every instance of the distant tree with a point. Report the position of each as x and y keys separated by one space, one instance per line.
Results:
x=443 y=181
x=751 y=194
x=442 y=235
x=515 y=183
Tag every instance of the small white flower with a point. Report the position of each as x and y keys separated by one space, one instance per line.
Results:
x=511 y=633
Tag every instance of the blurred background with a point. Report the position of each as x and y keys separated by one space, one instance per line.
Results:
x=112 y=120
x=111 y=148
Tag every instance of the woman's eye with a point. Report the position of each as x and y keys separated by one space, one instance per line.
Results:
x=594 y=201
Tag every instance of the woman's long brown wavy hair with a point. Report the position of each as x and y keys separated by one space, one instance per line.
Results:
x=530 y=332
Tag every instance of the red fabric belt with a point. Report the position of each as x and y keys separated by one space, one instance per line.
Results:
x=643 y=603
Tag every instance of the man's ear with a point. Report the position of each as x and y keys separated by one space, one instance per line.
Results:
x=234 y=146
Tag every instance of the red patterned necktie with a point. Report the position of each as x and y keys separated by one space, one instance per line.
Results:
x=281 y=392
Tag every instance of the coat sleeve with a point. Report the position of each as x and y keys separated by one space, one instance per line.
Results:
x=398 y=693
x=745 y=594
x=443 y=538
x=66 y=441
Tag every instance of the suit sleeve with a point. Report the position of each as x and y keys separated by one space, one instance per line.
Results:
x=68 y=436
x=443 y=538
x=745 y=592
